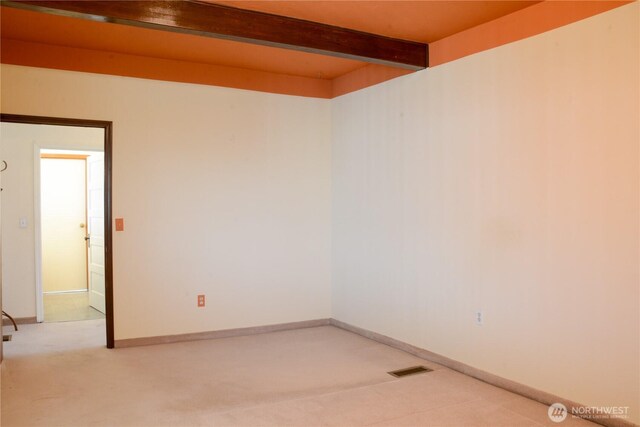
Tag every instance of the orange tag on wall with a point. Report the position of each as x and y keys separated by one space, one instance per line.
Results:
x=119 y=224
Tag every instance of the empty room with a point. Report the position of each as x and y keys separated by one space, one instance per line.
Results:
x=320 y=213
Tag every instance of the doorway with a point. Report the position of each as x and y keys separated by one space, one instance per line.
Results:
x=72 y=235
x=101 y=225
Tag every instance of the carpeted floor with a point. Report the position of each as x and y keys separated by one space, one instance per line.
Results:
x=60 y=374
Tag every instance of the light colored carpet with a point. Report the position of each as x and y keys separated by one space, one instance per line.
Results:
x=65 y=307
x=60 y=374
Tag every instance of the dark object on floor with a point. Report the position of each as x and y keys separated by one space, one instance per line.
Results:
x=4 y=313
x=409 y=371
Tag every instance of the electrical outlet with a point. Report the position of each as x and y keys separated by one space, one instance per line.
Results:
x=479 y=318
x=200 y=300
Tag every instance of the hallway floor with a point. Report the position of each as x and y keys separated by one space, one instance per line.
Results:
x=65 y=307
x=60 y=374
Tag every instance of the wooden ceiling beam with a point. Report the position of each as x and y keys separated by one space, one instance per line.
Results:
x=223 y=22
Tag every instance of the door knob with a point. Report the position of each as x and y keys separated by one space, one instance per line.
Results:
x=86 y=237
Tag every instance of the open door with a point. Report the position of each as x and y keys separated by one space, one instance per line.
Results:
x=102 y=263
x=95 y=231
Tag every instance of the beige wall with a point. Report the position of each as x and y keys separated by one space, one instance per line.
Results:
x=18 y=145
x=505 y=182
x=224 y=192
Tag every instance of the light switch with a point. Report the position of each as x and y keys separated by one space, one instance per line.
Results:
x=23 y=223
x=119 y=224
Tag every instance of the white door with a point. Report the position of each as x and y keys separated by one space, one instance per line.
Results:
x=95 y=230
x=63 y=217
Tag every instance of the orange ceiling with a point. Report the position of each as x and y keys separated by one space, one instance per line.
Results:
x=453 y=29
x=422 y=21
x=64 y=31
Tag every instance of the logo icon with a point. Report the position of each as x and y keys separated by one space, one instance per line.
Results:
x=557 y=412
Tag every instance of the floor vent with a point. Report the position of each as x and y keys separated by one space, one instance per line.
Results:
x=6 y=338
x=409 y=371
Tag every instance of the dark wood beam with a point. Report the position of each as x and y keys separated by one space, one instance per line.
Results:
x=218 y=21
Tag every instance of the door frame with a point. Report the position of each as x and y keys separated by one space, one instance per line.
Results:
x=38 y=213
x=108 y=238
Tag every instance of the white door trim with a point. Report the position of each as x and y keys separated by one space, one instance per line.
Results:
x=37 y=226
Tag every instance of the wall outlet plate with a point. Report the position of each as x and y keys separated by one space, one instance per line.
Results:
x=479 y=317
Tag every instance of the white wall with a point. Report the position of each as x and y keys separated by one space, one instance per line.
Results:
x=18 y=145
x=506 y=182
x=224 y=192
